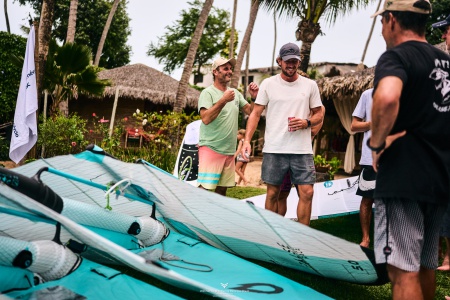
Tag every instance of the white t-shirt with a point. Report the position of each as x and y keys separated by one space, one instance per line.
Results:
x=287 y=99
x=363 y=111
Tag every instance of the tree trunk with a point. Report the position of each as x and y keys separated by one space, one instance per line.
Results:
x=44 y=36
x=307 y=32
x=105 y=32
x=245 y=42
x=272 y=69
x=5 y=5
x=180 y=101
x=247 y=62
x=72 y=24
x=361 y=65
x=233 y=29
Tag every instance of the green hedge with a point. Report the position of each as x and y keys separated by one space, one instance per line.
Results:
x=9 y=73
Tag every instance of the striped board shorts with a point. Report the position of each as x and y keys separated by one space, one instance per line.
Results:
x=215 y=169
x=411 y=230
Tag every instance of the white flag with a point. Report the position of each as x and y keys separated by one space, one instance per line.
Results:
x=24 y=133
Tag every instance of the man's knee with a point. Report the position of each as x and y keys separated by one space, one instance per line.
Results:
x=306 y=192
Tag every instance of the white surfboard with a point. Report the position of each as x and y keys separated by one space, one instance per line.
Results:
x=186 y=166
x=331 y=198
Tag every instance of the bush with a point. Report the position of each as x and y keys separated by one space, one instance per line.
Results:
x=9 y=73
x=60 y=135
x=4 y=149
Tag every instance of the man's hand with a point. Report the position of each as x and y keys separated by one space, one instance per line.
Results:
x=297 y=124
x=389 y=140
x=228 y=95
x=246 y=150
x=253 y=89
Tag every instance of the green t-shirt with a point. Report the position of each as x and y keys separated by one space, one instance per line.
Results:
x=220 y=134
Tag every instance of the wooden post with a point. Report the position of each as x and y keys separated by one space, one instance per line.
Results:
x=113 y=115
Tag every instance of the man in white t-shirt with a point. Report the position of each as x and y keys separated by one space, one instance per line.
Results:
x=293 y=105
x=366 y=185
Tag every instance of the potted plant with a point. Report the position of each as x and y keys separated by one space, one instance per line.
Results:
x=329 y=167
x=334 y=164
x=320 y=162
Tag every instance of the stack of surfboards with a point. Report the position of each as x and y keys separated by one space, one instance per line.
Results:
x=29 y=215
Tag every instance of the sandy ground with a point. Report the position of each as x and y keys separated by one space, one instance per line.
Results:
x=8 y=164
x=253 y=174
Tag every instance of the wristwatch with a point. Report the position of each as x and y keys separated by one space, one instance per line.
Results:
x=309 y=123
x=376 y=149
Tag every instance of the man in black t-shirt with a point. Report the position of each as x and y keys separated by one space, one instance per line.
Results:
x=411 y=152
x=444 y=26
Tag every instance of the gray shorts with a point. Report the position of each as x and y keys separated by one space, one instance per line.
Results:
x=411 y=230
x=300 y=166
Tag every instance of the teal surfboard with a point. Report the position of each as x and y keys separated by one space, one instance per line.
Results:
x=223 y=273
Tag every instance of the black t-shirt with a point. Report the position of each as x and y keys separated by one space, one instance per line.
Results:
x=417 y=166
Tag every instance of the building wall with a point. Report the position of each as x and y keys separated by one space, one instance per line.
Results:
x=259 y=74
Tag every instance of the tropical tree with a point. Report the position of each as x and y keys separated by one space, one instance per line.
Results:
x=233 y=29
x=105 y=32
x=361 y=64
x=44 y=37
x=225 y=52
x=10 y=44
x=72 y=23
x=310 y=13
x=245 y=43
x=69 y=73
x=180 y=101
x=5 y=8
x=173 y=47
x=274 y=50
x=91 y=19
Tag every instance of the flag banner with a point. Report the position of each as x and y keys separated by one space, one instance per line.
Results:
x=24 y=133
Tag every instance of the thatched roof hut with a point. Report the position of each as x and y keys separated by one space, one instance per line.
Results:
x=350 y=86
x=346 y=87
x=140 y=82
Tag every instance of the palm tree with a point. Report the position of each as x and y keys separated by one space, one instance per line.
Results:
x=72 y=24
x=245 y=42
x=233 y=29
x=361 y=65
x=69 y=73
x=272 y=68
x=180 y=101
x=310 y=11
x=5 y=6
x=44 y=36
x=105 y=32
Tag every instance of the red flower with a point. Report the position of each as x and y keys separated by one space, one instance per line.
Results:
x=91 y=131
x=94 y=115
x=74 y=144
x=125 y=119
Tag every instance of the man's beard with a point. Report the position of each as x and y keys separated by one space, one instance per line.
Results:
x=285 y=73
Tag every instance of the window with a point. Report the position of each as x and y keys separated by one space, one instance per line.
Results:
x=198 y=78
x=250 y=79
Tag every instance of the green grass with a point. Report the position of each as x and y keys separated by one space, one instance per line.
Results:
x=345 y=227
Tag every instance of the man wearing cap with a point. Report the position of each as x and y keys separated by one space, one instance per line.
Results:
x=445 y=227
x=410 y=149
x=219 y=107
x=293 y=105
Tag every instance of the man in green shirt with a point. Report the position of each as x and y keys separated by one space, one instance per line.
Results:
x=219 y=107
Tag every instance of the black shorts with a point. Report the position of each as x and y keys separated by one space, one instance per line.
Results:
x=366 y=184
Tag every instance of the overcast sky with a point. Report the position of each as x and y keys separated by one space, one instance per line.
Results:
x=343 y=41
